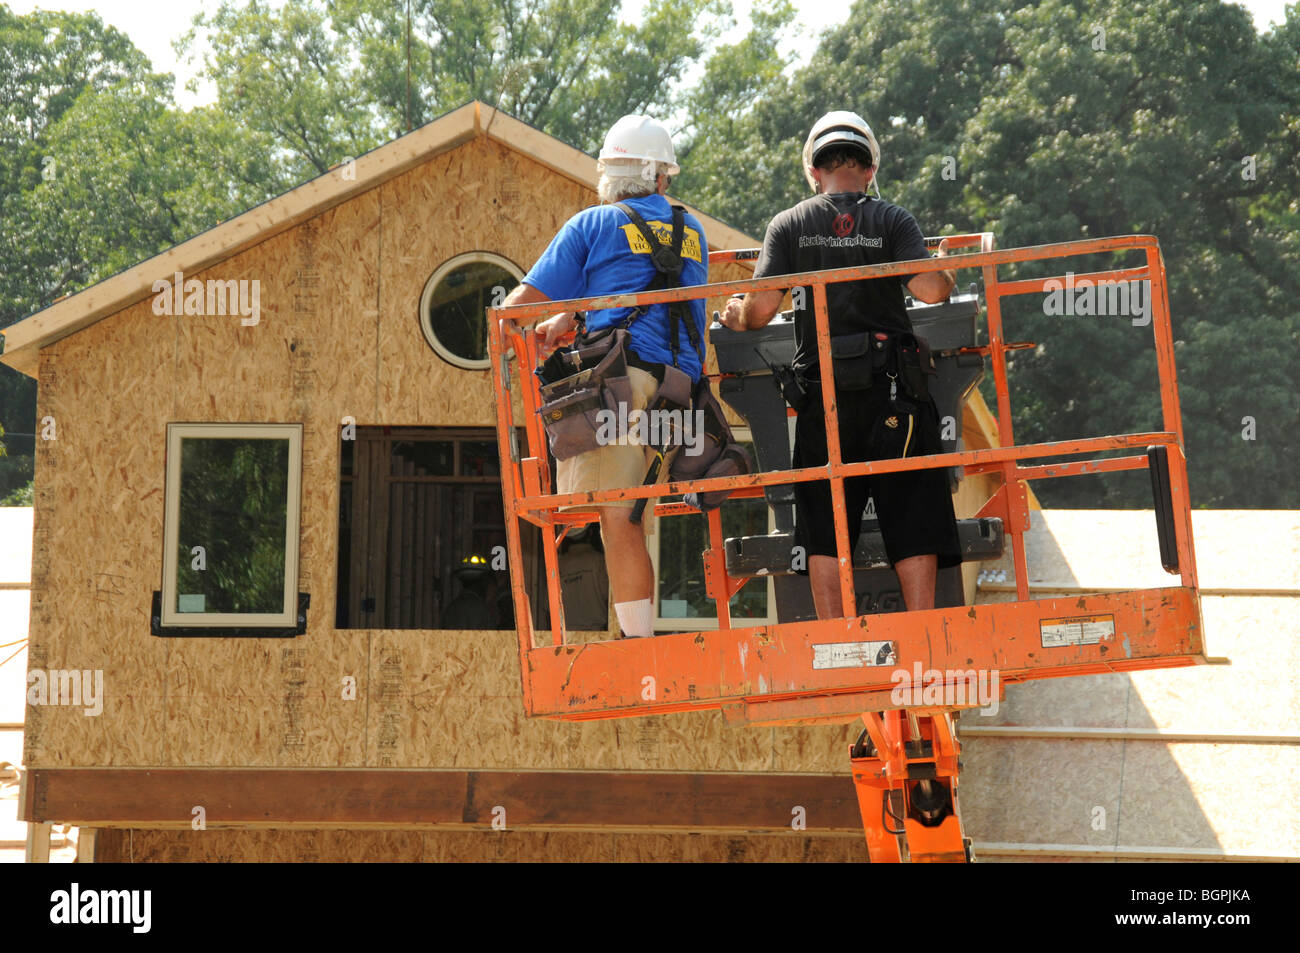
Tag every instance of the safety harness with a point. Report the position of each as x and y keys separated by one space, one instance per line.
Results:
x=581 y=383
x=667 y=260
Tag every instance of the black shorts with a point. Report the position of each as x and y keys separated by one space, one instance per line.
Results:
x=914 y=508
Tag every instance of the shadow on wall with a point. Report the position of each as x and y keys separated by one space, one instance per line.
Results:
x=1106 y=792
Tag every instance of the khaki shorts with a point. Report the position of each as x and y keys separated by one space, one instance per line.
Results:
x=615 y=466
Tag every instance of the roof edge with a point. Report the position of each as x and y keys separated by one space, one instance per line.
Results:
x=71 y=314
x=227 y=239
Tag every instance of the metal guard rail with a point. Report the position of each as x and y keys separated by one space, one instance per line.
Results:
x=556 y=685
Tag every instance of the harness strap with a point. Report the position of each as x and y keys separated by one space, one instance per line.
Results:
x=667 y=260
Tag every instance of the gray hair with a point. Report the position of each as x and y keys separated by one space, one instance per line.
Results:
x=628 y=178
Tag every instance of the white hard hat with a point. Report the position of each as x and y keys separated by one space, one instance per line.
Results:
x=834 y=129
x=640 y=137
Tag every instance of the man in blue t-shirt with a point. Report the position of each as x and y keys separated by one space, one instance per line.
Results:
x=601 y=251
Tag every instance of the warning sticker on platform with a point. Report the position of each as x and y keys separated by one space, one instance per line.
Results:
x=853 y=654
x=1078 y=630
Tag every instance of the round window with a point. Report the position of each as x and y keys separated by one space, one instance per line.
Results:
x=452 y=306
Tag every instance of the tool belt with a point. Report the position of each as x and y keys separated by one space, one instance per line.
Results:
x=859 y=360
x=597 y=381
x=719 y=454
x=583 y=389
x=578 y=386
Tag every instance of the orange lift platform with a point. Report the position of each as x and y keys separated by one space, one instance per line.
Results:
x=905 y=763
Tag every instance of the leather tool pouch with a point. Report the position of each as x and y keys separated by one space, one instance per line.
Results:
x=718 y=453
x=675 y=391
x=572 y=407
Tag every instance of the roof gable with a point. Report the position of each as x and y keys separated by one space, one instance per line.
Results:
x=69 y=315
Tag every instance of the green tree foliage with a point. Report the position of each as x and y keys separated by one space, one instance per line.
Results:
x=1067 y=119
x=330 y=81
x=47 y=61
x=135 y=175
x=284 y=75
x=722 y=157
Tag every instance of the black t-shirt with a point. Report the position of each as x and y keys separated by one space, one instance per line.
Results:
x=840 y=231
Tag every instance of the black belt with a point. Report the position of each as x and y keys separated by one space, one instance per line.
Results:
x=650 y=367
x=879 y=361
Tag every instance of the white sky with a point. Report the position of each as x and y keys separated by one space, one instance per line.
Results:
x=153 y=26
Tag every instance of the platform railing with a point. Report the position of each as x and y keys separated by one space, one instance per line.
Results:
x=528 y=494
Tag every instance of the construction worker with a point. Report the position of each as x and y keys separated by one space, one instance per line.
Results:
x=600 y=251
x=469 y=610
x=843 y=226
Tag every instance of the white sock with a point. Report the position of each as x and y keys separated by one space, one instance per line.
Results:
x=636 y=619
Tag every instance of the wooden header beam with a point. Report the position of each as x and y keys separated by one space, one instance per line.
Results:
x=383 y=798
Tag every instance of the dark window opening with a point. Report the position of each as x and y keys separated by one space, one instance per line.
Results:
x=415 y=504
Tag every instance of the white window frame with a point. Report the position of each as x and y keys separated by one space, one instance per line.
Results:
x=426 y=298
x=288 y=616
x=706 y=623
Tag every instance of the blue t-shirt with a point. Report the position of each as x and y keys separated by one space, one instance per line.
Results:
x=599 y=251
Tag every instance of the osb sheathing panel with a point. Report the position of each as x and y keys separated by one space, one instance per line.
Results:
x=1237 y=796
x=1132 y=793
x=479 y=197
x=1034 y=791
x=97 y=539
x=309 y=359
x=1258 y=692
x=337 y=336
x=453 y=700
x=112 y=389
x=216 y=846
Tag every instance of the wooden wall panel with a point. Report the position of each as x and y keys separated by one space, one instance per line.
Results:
x=338 y=335
x=480 y=197
x=453 y=700
x=97 y=538
x=310 y=359
x=215 y=846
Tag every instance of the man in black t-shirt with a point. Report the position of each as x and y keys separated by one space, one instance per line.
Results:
x=839 y=227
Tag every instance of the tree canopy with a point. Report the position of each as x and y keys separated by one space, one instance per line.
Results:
x=1065 y=119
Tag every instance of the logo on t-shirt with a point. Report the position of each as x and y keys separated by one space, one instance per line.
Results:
x=848 y=241
x=843 y=224
x=664 y=232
